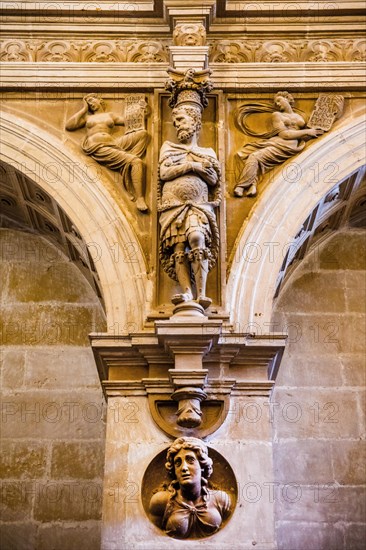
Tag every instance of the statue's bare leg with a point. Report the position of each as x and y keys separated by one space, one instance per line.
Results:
x=137 y=177
x=183 y=275
x=199 y=262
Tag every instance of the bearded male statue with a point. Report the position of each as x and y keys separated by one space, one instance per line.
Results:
x=189 y=184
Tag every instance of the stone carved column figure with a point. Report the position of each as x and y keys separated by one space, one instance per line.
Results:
x=287 y=138
x=188 y=508
x=120 y=154
x=189 y=191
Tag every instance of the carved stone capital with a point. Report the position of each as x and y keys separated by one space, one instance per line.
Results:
x=187 y=85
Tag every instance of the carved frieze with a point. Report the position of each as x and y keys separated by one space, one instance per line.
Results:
x=156 y=51
x=15 y=51
x=287 y=51
x=99 y=51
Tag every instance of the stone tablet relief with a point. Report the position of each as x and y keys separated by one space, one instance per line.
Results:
x=286 y=138
x=328 y=108
x=122 y=154
x=187 y=505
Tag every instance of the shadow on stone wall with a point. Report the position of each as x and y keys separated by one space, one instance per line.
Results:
x=318 y=405
x=52 y=404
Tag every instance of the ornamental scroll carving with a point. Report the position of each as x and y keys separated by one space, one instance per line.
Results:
x=287 y=51
x=287 y=138
x=189 y=190
x=122 y=154
x=98 y=51
x=156 y=51
x=188 y=508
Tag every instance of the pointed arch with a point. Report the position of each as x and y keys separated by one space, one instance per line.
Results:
x=96 y=214
x=277 y=216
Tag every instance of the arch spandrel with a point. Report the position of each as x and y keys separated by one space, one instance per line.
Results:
x=96 y=214
x=276 y=218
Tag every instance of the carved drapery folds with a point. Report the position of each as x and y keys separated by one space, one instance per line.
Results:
x=122 y=154
x=189 y=191
x=286 y=139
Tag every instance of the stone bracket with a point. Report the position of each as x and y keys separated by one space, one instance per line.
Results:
x=189 y=392
x=195 y=361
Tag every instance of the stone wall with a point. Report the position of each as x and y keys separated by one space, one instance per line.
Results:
x=53 y=408
x=133 y=441
x=318 y=407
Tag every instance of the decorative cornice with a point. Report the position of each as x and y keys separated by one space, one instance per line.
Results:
x=190 y=402
x=214 y=388
x=232 y=77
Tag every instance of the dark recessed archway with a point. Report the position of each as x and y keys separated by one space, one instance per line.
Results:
x=344 y=205
x=25 y=205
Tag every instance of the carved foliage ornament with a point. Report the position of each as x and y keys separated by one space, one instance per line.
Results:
x=287 y=51
x=100 y=51
x=156 y=51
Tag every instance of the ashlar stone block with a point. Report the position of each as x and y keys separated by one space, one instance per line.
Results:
x=300 y=535
x=68 y=501
x=70 y=536
x=349 y=462
x=22 y=459
x=77 y=460
x=18 y=536
x=12 y=368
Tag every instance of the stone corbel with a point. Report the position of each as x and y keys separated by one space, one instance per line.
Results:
x=189 y=392
x=164 y=410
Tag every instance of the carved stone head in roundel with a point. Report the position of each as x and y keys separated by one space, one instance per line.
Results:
x=189 y=509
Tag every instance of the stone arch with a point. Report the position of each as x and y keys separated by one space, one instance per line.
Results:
x=276 y=218
x=96 y=214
